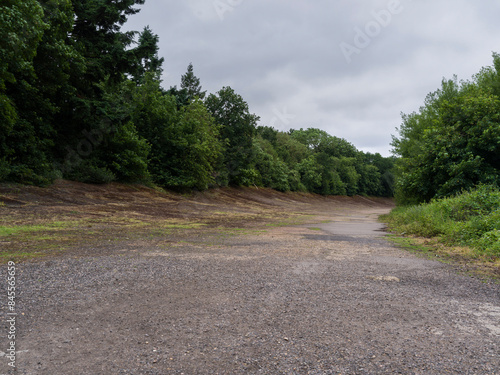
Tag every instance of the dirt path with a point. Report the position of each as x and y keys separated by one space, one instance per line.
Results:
x=320 y=298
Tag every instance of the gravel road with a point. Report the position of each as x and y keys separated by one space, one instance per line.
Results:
x=331 y=298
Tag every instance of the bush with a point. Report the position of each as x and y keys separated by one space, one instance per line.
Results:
x=489 y=243
x=92 y=174
x=470 y=219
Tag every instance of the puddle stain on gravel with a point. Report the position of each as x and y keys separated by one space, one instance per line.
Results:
x=486 y=315
x=323 y=237
x=341 y=238
x=385 y=278
x=489 y=316
x=307 y=268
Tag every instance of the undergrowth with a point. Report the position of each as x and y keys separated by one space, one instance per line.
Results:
x=470 y=219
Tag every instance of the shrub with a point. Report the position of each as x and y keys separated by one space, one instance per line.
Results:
x=471 y=219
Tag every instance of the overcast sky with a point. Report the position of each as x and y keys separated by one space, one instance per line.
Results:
x=349 y=67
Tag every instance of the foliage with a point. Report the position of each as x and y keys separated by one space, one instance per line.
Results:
x=22 y=143
x=471 y=218
x=198 y=148
x=271 y=171
x=320 y=141
x=238 y=127
x=453 y=142
x=290 y=150
x=81 y=99
x=191 y=84
x=146 y=59
x=310 y=174
x=184 y=142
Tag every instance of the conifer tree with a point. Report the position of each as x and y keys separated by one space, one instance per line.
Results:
x=191 y=84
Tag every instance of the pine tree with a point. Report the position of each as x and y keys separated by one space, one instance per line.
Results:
x=191 y=84
x=146 y=56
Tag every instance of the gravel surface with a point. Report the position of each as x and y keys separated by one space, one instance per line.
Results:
x=333 y=299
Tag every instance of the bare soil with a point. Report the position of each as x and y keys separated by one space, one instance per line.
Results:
x=123 y=279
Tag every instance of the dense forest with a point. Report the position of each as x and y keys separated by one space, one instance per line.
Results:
x=82 y=100
x=452 y=144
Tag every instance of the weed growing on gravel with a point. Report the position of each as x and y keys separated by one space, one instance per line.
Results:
x=470 y=219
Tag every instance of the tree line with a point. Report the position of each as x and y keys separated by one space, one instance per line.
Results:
x=452 y=144
x=82 y=100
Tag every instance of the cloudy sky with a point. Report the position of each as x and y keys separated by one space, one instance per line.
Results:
x=349 y=67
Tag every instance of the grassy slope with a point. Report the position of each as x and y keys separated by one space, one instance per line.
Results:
x=465 y=227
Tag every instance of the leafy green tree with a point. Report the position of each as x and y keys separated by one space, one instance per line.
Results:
x=196 y=139
x=271 y=170
x=112 y=149
x=385 y=167
x=153 y=114
x=181 y=96
x=331 y=183
x=452 y=144
x=369 y=180
x=488 y=79
x=270 y=145
x=184 y=142
x=290 y=150
x=311 y=174
x=349 y=175
x=269 y=134
x=21 y=29
x=465 y=150
x=25 y=133
x=320 y=141
x=238 y=127
x=311 y=137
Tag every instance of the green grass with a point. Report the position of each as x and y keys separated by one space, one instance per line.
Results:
x=6 y=256
x=417 y=247
x=20 y=229
x=470 y=219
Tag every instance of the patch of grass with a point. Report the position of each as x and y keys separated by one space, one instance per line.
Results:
x=470 y=219
x=119 y=220
x=466 y=226
x=6 y=256
x=413 y=245
x=314 y=228
x=19 y=229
